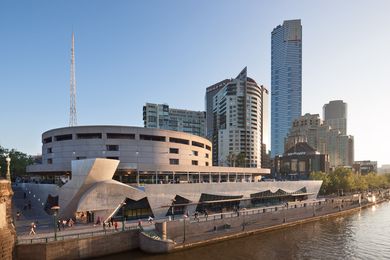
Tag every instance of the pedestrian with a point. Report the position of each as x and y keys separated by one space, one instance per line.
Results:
x=59 y=225
x=63 y=224
x=140 y=225
x=32 y=229
x=17 y=215
x=104 y=225
x=150 y=220
x=109 y=224
x=70 y=222
x=196 y=216
x=206 y=214
x=116 y=226
x=112 y=222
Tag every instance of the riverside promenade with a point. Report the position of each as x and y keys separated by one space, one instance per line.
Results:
x=165 y=235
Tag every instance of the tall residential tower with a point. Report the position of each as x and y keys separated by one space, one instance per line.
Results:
x=238 y=114
x=286 y=81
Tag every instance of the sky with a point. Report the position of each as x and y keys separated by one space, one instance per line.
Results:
x=132 y=52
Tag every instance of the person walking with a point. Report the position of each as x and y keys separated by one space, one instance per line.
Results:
x=116 y=226
x=32 y=229
x=206 y=214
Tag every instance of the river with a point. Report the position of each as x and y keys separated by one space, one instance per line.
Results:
x=361 y=235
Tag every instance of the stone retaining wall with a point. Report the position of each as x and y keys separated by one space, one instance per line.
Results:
x=80 y=248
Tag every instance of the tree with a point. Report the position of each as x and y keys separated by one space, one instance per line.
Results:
x=19 y=162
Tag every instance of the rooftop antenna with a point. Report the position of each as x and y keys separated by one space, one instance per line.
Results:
x=72 y=114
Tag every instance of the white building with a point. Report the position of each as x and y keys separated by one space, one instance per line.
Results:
x=240 y=122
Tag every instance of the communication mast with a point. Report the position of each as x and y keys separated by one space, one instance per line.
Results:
x=72 y=114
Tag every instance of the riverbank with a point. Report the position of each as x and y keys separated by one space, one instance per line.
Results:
x=184 y=246
x=184 y=234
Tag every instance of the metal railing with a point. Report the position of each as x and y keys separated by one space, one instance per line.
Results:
x=81 y=235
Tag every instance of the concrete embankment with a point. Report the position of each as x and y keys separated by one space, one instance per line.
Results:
x=80 y=248
x=178 y=235
x=237 y=228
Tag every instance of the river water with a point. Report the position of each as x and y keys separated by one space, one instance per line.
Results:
x=361 y=235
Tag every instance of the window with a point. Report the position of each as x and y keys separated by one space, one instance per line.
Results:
x=174 y=161
x=81 y=157
x=112 y=147
x=152 y=138
x=49 y=150
x=113 y=157
x=89 y=136
x=63 y=137
x=178 y=140
x=197 y=144
x=208 y=147
x=120 y=136
x=207 y=163
x=49 y=161
x=195 y=153
x=47 y=140
x=174 y=150
x=194 y=162
x=207 y=155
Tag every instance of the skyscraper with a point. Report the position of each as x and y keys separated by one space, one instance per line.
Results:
x=286 y=81
x=238 y=121
x=335 y=115
x=163 y=117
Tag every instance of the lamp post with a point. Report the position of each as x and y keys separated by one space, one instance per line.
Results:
x=8 y=173
x=184 y=228
x=123 y=215
x=137 y=153
x=173 y=209
x=55 y=209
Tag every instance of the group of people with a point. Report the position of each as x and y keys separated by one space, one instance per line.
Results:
x=109 y=224
x=62 y=224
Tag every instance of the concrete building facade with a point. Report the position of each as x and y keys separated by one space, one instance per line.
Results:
x=311 y=129
x=163 y=117
x=335 y=115
x=299 y=161
x=365 y=167
x=286 y=81
x=240 y=121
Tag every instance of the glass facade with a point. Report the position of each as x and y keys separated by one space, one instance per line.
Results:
x=286 y=81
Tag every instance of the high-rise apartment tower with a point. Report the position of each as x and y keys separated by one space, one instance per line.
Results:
x=239 y=116
x=163 y=117
x=286 y=81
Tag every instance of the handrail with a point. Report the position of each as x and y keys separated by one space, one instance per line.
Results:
x=81 y=235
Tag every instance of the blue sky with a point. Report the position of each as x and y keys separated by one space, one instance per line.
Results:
x=132 y=52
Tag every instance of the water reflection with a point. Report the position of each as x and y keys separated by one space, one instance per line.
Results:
x=363 y=235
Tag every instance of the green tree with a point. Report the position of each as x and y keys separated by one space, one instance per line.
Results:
x=19 y=162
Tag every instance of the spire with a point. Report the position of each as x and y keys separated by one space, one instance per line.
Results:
x=242 y=75
x=72 y=114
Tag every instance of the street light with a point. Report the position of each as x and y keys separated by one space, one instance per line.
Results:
x=8 y=173
x=123 y=215
x=173 y=208
x=55 y=209
x=137 y=153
